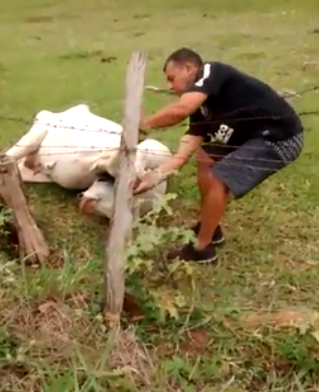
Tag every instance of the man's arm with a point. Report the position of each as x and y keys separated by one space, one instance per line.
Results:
x=175 y=113
x=192 y=139
x=209 y=84
x=188 y=145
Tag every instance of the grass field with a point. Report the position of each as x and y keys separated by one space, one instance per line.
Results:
x=55 y=54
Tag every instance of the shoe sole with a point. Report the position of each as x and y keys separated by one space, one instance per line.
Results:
x=209 y=261
x=219 y=242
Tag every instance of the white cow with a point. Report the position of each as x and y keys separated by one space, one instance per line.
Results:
x=75 y=148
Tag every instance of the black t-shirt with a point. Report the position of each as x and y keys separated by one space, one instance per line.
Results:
x=239 y=107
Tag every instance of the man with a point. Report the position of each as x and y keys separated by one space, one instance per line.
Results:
x=241 y=130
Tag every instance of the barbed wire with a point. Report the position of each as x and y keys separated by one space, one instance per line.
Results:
x=230 y=113
x=80 y=149
x=215 y=156
x=88 y=149
x=88 y=128
x=242 y=162
x=282 y=94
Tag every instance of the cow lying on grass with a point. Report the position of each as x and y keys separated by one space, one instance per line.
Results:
x=79 y=150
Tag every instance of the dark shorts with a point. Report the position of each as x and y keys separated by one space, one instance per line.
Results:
x=243 y=168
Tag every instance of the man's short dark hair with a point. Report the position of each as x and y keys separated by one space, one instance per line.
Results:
x=184 y=55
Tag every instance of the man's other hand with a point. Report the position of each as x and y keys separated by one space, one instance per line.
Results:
x=147 y=182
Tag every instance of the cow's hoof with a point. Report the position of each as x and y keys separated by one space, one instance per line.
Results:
x=87 y=206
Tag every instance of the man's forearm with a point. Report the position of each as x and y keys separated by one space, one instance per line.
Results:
x=171 y=165
x=188 y=145
x=167 y=168
x=166 y=117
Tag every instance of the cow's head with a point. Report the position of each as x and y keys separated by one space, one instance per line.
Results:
x=99 y=199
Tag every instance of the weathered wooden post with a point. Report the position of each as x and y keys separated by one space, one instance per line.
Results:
x=32 y=245
x=121 y=225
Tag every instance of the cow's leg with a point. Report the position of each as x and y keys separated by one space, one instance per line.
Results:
x=32 y=162
x=28 y=144
x=28 y=175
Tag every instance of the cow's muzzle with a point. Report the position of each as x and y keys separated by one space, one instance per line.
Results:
x=87 y=205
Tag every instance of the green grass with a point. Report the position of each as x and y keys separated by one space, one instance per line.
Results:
x=55 y=54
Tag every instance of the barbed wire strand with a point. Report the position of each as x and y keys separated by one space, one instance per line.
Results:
x=88 y=128
x=241 y=162
x=95 y=149
x=244 y=161
x=36 y=121
x=108 y=132
x=273 y=117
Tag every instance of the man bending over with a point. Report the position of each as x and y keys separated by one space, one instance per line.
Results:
x=241 y=130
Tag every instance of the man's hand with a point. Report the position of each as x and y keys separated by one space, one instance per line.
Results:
x=172 y=114
x=188 y=144
x=143 y=128
x=147 y=182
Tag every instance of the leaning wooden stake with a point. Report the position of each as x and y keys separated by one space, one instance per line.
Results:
x=32 y=245
x=121 y=228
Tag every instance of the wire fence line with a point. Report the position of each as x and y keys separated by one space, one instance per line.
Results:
x=243 y=162
x=88 y=128
x=93 y=149
x=229 y=114
x=109 y=132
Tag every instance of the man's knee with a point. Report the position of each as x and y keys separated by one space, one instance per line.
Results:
x=207 y=180
x=203 y=168
x=204 y=161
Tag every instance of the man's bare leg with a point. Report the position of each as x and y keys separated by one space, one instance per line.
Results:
x=204 y=163
x=213 y=205
x=214 y=197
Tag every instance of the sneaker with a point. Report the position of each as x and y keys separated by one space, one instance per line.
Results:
x=218 y=237
x=189 y=253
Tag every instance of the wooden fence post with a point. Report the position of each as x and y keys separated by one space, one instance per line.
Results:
x=32 y=245
x=121 y=225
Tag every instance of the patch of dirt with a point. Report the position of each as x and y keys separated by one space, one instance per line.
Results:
x=182 y=218
x=17 y=369
x=196 y=341
x=10 y=244
x=131 y=308
x=9 y=241
x=56 y=259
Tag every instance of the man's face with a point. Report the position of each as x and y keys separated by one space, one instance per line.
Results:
x=180 y=76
